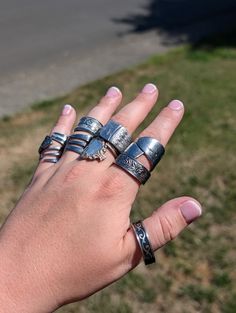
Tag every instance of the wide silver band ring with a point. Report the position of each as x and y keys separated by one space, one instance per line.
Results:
x=112 y=136
x=148 y=146
x=133 y=167
x=144 y=242
x=151 y=148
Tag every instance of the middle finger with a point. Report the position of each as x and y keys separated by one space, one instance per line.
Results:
x=131 y=116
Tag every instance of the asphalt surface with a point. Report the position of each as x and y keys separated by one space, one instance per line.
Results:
x=48 y=48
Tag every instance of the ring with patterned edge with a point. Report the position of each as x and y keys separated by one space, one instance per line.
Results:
x=133 y=167
x=112 y=136
x=151 y=148
x=144 y=242
x=88 y=124
x=49 y=152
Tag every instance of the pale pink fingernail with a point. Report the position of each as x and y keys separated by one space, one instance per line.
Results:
x=190 y=211
x=113 y=92
x=67 y=109
x=176 y=105
x=149 y=88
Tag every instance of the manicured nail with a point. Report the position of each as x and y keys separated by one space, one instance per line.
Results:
x=67 y=109
x=176 y=105
x=149 y=88
x=113 y=92
x=190 y=211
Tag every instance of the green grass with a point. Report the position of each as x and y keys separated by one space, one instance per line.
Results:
x=196 y=272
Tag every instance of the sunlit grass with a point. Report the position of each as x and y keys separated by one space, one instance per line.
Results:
x=196 y=272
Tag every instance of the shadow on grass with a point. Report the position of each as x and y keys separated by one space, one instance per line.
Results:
x=186 y=21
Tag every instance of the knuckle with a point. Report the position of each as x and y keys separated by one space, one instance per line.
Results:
x=74 y=172
x=104 y=102
x=121 y=118
x=166 y=230
x=111 y=186
x=149 y=133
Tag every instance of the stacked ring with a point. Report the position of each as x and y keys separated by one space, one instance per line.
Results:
x=48 y=152
x=144 y=242
x=77 y=142
x=112 y=136
x=151 y=148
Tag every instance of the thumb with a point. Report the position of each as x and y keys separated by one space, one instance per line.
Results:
x=162 y=226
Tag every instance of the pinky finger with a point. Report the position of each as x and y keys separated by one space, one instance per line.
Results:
x=63 y=125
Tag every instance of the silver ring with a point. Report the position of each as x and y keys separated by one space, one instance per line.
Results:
x=88 y=124
x=133 y=167
x=116 y=134
x=46 y=148
x=144 y=242
x=112 y=136
x=77 y=142
x=150 y=147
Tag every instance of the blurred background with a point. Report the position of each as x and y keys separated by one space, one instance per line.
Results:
x=71 y=51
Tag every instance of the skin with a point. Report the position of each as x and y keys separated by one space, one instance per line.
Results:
x=69 y=235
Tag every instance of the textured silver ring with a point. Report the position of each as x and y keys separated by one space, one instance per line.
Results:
x=144 y=242
x=151 y=148
x=112 y=136
x=88 y=124
x=133 y=167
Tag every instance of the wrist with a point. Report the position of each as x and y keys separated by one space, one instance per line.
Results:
x=22 y=289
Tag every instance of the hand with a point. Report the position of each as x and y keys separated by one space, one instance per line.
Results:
x=69 y=235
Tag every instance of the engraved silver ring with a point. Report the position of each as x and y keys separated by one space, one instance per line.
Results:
x=147 y=146
x=144 y=242
x=112 y=136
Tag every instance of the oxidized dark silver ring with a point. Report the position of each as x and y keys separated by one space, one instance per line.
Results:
x=144 y=242
x=151 y=148
x=112 y=136
x=48 y=152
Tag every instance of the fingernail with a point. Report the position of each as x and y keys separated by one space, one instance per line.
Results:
x=149 y=88
x=113 y=92
x=190 y=211
x=67 y=109
x=176 y=105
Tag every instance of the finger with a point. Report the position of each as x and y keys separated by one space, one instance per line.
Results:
x=63 y=125
x=162 y=226
x=161 y=128
x=102 y=112
x=131 y=115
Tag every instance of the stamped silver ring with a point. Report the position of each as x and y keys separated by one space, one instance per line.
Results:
x=150 y=147
x=49 y=152
x=112 y=136
x=88 y=124
x=144 y=242
x=77 y=142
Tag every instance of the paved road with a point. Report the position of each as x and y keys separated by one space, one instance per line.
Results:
x=50 y=47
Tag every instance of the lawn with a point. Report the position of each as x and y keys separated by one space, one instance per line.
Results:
x=197 y=271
